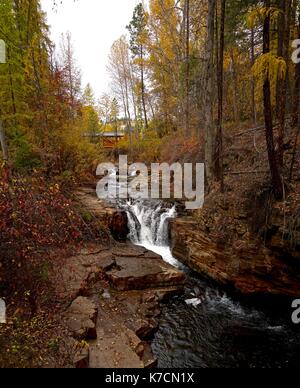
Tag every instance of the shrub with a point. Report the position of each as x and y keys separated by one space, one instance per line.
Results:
x=36 y=218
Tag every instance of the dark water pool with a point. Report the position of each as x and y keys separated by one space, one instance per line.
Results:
x=215 y=331
x=224 y=333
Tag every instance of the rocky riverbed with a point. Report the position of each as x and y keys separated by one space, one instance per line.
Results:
x=114 y=293
x=114 y=302
x=112 y=296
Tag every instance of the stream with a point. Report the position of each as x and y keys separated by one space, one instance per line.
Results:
x=205 y=327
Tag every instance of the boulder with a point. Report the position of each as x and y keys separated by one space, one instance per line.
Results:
x=118 y=226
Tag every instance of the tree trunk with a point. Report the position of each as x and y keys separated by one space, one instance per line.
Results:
x=276 y=178
x=12 y=92
x=3 y=144
x=296 y=101
x=220 y=77
x=283 y=51
x=209 y=95
x=295 y=148
x=236 y=109
x=131 y=80
x=187 y=75
x=127 y=104
x=254 y=112
x=143 y=88
x=295 y=117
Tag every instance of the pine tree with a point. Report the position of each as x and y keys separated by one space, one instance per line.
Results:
x=137 y=30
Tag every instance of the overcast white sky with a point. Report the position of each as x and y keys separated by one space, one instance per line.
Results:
x=94 y=25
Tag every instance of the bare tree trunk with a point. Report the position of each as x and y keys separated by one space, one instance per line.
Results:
x=220 y=76
x=295 y=118
x=151 y=106
x=187 y=75
x=3 y=144
x=276 y=178
x=295 y=148
x=132 y=93
x=12 y=92
x=296 y=103
x=209 y=95
x=254 y=112
x=127 y=105
x=236 y=109
x=143 y=89
x=283 y=51
x=129 y=119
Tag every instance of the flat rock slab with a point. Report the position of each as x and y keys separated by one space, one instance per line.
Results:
x=81 y=318
x=120 y=321
x=139 y=273
x=79 y=271
x=120 y=350
x=129 y=250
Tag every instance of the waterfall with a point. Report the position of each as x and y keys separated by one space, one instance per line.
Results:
x=149 y=226
x=148 y=222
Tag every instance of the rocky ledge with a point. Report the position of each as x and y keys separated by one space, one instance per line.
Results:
x=246 y=265
x=112 y=301
x=114 y=219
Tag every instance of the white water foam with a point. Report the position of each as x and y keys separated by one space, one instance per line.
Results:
x=193 y=302
x=275 y=328
x=148 y=227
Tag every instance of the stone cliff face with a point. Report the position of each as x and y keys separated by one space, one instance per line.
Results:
x=244 y=262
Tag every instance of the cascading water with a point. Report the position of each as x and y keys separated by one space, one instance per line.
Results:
x=205 y=327
x=149 y=227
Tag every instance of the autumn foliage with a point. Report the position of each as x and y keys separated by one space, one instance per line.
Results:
x=36 y=218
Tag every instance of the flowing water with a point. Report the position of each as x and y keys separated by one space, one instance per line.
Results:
x=205 y=327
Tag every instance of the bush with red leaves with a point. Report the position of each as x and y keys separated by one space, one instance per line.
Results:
x=35 y=218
